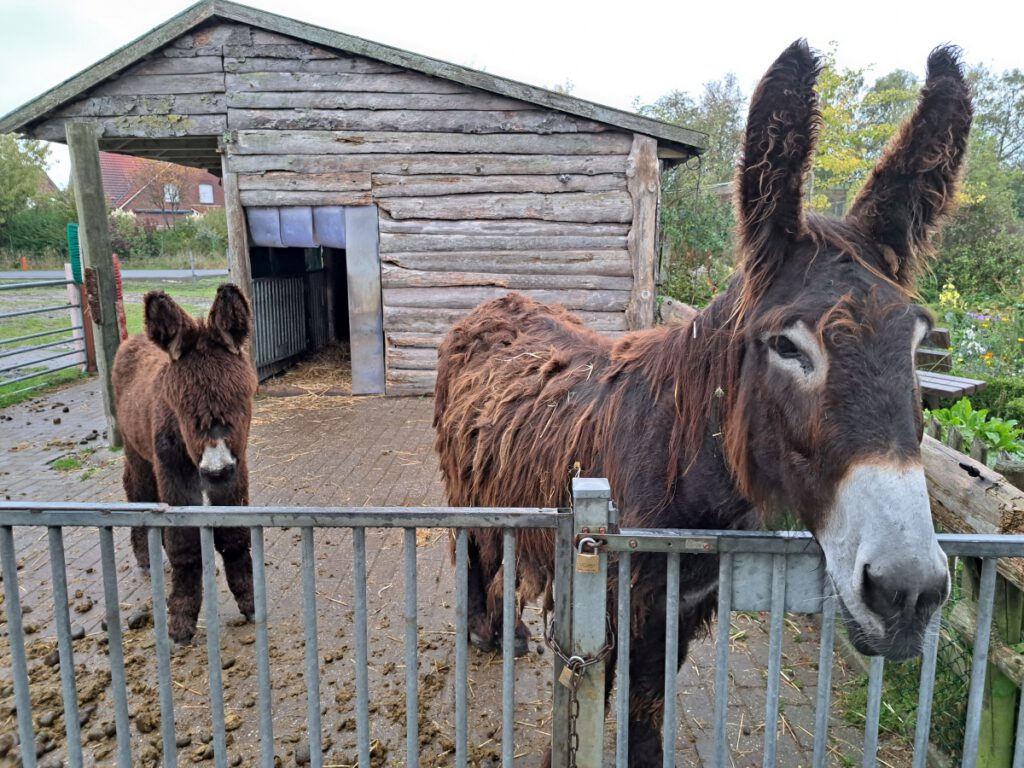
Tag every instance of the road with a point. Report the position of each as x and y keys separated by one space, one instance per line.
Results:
x=128 y=274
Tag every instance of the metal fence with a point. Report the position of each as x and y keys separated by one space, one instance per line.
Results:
x=773 y=572
x=290 y=319
x=28 y=356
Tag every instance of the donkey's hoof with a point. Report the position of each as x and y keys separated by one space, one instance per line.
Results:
x=522 y=646
x=480 y=642
x=250 y=618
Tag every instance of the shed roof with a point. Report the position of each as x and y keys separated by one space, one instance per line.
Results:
x=673 y=139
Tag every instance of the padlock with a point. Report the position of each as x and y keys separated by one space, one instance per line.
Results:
x=565 y=678
x=587 y=562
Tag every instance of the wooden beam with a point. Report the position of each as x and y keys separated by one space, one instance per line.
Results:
x=94 y=234
x=644 y=185
x=239 y=266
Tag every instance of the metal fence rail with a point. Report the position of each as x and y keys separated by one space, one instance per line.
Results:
x=779 y=572
x=28 y=356
x=58 y=516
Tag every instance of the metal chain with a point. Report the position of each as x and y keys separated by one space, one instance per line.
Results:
x=577 y=665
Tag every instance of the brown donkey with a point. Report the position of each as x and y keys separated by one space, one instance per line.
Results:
x=793 y=390
x=184 y=393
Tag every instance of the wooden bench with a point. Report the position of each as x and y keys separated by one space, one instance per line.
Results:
x=933 y=363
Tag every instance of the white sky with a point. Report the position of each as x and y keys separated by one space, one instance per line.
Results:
x=612 y=53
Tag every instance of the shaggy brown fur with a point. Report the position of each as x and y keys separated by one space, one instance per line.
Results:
x=689 y=423
x=180 y=387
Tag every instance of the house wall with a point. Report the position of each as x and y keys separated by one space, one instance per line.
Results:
x=477 y=193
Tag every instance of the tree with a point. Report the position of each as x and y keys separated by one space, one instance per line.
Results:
x=163 y=186
x=22 y=171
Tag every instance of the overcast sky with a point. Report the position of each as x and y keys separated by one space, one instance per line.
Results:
x=612 y=53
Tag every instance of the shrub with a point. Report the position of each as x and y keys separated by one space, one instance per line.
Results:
x=697 y=230
x=1003 y=396
x=998 y=434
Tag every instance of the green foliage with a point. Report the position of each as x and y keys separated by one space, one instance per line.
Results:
x=40 y=229
x=697 y=233
x=200 y=235
x=998 y=434
x=23 y=170
x=1002 y=396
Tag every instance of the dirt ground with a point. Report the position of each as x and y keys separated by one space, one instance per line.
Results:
x=312 y=448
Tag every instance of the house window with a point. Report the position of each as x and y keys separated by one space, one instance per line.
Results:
x=171 y=193
x=206 y=194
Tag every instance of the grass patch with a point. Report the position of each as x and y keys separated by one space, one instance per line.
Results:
x=204 y=288
x=12 y=394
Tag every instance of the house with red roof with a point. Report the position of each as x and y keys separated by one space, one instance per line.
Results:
x=157 y=192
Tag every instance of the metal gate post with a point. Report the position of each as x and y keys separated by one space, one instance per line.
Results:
x=591 y=498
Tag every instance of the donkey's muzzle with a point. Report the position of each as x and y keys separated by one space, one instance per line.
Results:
x=219 y=476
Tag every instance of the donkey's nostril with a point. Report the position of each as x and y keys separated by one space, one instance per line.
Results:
x=890 y=592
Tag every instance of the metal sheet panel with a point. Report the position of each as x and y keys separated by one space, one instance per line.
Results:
x=264 y=227
x=366 y=319
x=297 y=227
x=329 y=225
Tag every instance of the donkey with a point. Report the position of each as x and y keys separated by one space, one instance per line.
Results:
x=183 y=393
x=794 y=390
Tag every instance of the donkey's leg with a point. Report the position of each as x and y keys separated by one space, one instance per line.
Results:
x=233 y=545
x=139 y=486
x=479 y=576
x=183 y=550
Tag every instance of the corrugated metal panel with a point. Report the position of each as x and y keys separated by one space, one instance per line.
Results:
x=316 y=309
x=279 y=307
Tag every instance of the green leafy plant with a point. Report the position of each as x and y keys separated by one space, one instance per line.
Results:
x=998 y=434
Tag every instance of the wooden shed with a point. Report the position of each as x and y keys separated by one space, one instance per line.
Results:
x=377 y=195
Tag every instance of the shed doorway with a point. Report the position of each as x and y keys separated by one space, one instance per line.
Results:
x=315 y=282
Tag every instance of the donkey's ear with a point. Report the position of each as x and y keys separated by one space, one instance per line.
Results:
x=231 y=318
x=168 y=325
x=914 y=186
x=782 y=130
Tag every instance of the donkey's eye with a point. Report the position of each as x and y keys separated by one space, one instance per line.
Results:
x=785 y=348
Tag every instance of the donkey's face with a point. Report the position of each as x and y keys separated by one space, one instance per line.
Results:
x=209 y=383
x=828 y=408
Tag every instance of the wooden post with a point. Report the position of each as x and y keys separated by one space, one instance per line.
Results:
x=96 y=257
x=644 y=185
x=239 y=265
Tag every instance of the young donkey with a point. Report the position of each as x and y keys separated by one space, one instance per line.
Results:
x=183 y=392
x=795 y=389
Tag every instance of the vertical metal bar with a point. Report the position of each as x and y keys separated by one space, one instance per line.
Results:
x=591 y=501
x=163 y=646
x=259 y=595
x=562 y=632
x=874 y=710
x=316 y=755
x=16 y=636
x=771 y=709
x=115 y=647
x=722 y=658
x=668 y=742
x=979 y=663
x=625 y=625
x=209 y=557
x=62 y=618
x=362 y=680
x=412 y=696
x=825 y=660
x=508 y=652
x=461 y=638
x=925 y=691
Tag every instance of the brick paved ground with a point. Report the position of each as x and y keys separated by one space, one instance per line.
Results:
x=335 y=451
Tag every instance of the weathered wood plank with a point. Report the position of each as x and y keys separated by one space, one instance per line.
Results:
x=434 y=163
x=292 y=50
x=261 y=36
x=262 y=197
x=644 y=175
x=145 y=85
x=424 y=340
x=390 y=142
x=305 y=182
x=390 y=243
x=396 y=185
x=216 y=35
x=569 y=206
x=606 y=263
x=411 y=358
x=403 y=82
x=116 y=106
x=162 y=65
x=466 y=298
x=499 y=227
x=405 y=383
x=439 y=121
x=439 y=320
x=252 y=59
x=142 y=126
x=397 y=277
x=371 y=100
